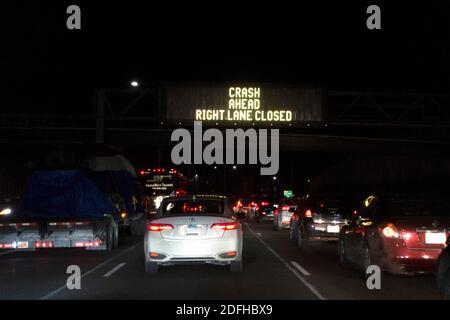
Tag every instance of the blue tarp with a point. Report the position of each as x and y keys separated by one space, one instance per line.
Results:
x=63 y=194
x=120 y=182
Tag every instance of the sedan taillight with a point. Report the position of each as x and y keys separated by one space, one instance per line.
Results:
x=226 y=226
x=159 y=227
x=390 y=231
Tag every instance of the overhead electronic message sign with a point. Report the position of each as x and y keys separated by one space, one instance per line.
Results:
x=259 y=105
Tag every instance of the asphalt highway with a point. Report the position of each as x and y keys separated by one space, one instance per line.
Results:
x=273 y=269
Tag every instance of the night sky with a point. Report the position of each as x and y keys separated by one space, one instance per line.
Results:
x=47 y=66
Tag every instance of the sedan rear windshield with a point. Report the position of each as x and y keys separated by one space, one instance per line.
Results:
x=195 y=207
x=328 y=204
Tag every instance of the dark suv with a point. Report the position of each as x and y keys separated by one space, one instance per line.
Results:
x=319 y=217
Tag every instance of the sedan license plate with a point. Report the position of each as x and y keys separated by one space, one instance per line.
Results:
x=435 y=238
x=192 y=230
x=333 y=229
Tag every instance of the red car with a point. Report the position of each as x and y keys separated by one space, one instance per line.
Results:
x=399 y=234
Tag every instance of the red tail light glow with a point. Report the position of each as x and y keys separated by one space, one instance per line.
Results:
x=264 y=203
x=159 y=227
x=43 y=244
x=308 y=213
x=225 y=226
x=406 y=235
x=285 y=208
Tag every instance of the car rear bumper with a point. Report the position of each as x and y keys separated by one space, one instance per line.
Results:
x=405 y=260
x=198 y=250
x=318 y=231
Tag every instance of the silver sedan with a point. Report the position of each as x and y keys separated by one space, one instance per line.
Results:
x=193 y=229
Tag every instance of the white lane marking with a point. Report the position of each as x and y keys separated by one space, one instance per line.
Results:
x=300 y=268
x=110 y=272
x=303 y=280
x=6 y=252
x=56 y=291
x=259 y=234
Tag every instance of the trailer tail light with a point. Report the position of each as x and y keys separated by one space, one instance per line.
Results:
x=158 y=227
x=226 y=226
x=6 y=245
x=88 y=244
x=308 y=213
x=43 y=244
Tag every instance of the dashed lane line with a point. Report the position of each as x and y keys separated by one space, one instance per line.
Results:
x=302 y=279
x=56 y=291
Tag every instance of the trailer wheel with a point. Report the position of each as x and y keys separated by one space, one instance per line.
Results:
x=109 y=236
x=116 y=235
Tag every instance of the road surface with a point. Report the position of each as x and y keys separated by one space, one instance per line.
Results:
x=273 y=269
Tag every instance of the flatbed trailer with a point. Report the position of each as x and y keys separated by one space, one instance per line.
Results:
x=61 y=209
x=32 y=234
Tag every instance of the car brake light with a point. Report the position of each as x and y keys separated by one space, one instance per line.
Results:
x=406 y=235
x=285 y=208
x=159 y=227
x=264 y=203
x=390 y=231
x=225 y=226
x=308 y=213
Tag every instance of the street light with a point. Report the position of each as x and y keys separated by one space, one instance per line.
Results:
x=234 y=167
x=134 y=84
